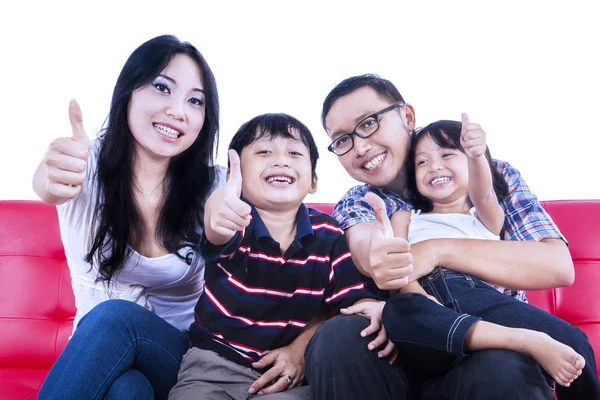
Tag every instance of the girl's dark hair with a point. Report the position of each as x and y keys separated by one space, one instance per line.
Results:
x=445 y=134
x=190 y=175
x=275 y=125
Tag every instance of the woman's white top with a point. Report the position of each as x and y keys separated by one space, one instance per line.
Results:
x=448 y=226
x=169 y=285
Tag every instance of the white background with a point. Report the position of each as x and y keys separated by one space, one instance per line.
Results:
x=527 y=71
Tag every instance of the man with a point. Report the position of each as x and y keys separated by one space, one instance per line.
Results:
x=370 y=125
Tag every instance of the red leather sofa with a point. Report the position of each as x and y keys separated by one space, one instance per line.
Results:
x=37 y=305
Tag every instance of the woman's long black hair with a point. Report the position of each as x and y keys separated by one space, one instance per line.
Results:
x=446 y=134
x=190 y=175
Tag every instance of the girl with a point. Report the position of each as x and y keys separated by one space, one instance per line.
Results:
x=452 y=182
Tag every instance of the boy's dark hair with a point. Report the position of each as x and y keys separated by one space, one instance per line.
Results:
x=384 y=88
x=446 y=134
x=274 y=125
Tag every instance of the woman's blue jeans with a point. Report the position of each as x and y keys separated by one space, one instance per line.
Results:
x=120 y=350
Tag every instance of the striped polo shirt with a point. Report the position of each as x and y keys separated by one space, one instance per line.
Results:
x=256 y=299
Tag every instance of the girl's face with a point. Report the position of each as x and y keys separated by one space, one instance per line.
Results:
x=166 y=116
x=442 y=174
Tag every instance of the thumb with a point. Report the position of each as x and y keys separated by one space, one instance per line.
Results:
x=76 y=119
x=380 y=213
x=235 y=172
x=465 y=121
x=465 y=118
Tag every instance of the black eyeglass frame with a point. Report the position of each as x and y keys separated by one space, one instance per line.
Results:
x=351 y=134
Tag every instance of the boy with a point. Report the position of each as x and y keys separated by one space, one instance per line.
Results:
x=272 y=264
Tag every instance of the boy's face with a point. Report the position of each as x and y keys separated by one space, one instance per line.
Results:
x=377 y=160
x=276 y=172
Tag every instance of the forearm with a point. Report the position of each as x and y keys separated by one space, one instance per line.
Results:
x=308 y=331
x=413 y=287
x=526 y=265
x=482 y=195
x=480 y=180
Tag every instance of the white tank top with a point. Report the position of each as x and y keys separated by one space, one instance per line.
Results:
x=168 y=285
x=448 y=226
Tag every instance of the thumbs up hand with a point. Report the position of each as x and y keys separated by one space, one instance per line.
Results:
x=472 y=138
x=76 y=120
x=381 y=218
x=66 y=159
x=225 y=213
x=389 y=257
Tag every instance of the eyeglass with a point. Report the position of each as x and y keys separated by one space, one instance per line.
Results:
x=363 y=129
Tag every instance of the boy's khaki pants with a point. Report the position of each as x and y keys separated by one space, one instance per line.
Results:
x=206 y=375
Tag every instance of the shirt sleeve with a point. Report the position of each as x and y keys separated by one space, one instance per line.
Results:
x=212 y=252
x=352 y=209
x=526 y=219
x=346 y=284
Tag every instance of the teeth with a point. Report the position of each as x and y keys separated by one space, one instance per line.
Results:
x=285 y=179
x=374 y=162
x=165 y=130
x=442 y=179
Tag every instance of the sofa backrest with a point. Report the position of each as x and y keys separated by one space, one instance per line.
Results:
x=579 y=304
x=37 y=304
x=36 y=299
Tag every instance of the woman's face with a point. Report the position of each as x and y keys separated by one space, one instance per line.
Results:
x=166 y=116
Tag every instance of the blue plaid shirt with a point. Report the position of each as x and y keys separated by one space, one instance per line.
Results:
x=525 y=217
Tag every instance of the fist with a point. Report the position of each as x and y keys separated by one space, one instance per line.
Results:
x=225 y=212
x=472 y=138
x=66 y=158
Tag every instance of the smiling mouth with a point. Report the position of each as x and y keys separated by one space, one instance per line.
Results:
x=439 y=180
x=280 y=179
x=372 y=163
x=167 y=131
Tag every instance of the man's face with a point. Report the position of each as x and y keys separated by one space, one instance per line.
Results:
x=377 y=160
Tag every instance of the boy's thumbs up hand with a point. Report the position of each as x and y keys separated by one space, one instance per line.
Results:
x=225 y=213
x=66 y=158
x=389 y=257
x=234 y=181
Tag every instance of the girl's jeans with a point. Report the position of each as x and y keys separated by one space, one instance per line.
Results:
x=433 y=336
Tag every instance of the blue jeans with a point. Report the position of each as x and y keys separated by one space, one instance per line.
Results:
x=432 y=336
x=340 y=366
x=120 y=350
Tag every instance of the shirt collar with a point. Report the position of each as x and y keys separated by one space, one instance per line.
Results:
x=303 y=224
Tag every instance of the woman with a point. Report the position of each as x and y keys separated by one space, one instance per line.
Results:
x=130 y=208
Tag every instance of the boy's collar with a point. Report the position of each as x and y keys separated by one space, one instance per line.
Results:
x=303 y=224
